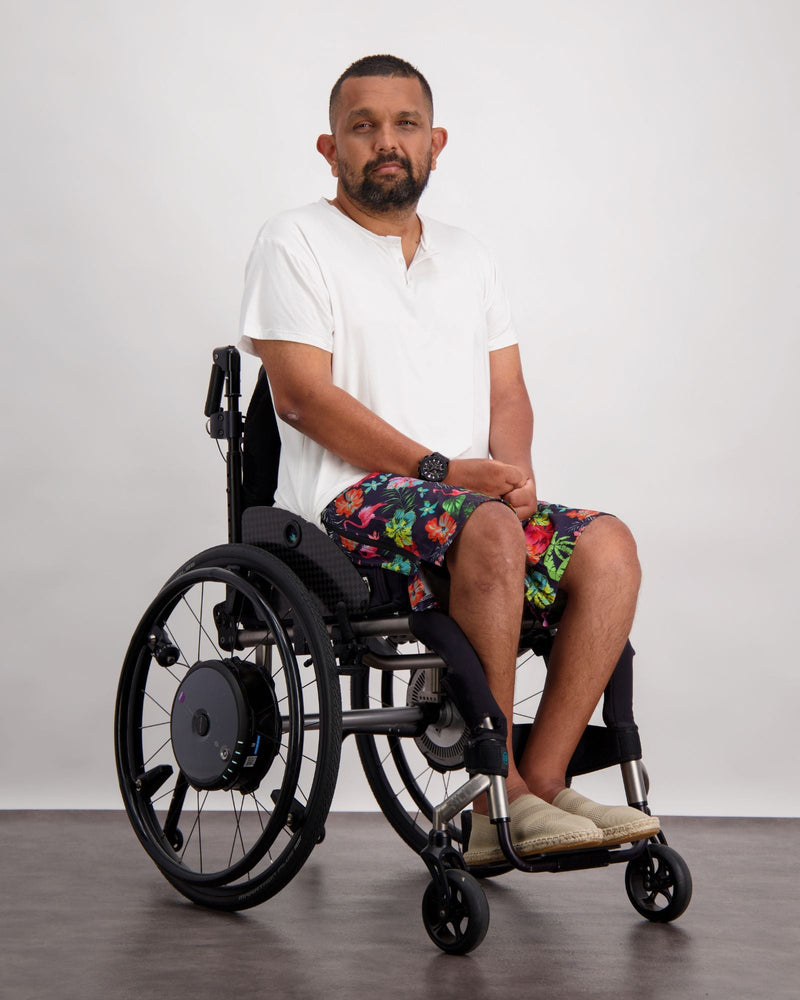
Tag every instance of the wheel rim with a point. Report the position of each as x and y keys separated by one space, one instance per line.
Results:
x=234 y=833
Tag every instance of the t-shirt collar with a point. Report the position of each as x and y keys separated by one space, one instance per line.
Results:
x=425 y=249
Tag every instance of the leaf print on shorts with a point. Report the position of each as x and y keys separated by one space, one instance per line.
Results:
x=557 y=555
x=542 y=591
x=398 y=565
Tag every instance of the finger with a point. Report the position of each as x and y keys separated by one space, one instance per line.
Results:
x=515 y=488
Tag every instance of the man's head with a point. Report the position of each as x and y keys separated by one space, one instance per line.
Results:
x=378 y=66
x=383 y=144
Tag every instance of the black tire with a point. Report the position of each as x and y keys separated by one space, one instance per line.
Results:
x=406 y=779
x=233 y=836
x=460 y=926
x=659 y=883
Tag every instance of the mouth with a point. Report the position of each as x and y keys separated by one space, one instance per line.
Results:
x=388 y=168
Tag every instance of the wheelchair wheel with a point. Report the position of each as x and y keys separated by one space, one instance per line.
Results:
x=659 y=884
x=228 y=727
x=409 y=777
x=460 y=924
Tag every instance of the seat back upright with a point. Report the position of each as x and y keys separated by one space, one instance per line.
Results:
x=226 y=423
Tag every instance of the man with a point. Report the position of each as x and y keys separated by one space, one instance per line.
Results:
x=404 y=414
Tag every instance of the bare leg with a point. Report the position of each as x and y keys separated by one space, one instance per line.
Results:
x=487 y=571
x=602 y=583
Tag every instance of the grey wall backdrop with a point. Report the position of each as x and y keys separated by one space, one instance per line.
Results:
x=634 y=165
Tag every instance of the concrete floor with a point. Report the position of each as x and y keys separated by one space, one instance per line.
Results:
x=84 y=914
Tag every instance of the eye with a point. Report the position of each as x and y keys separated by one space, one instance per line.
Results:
x=361 y=126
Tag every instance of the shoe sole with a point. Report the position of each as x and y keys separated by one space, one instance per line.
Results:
x=526 y=848
x=630 y=832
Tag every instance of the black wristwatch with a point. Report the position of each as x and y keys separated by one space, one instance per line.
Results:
x=433 y=468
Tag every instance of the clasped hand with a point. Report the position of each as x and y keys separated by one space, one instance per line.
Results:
x=497 y=479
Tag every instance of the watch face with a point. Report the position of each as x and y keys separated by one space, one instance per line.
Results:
x=434 y=468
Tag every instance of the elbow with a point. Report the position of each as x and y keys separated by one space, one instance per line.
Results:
x=293 y=408
x=290 y=413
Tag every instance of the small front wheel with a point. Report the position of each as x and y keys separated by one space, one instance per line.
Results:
x=659 y=884
x=460 y=924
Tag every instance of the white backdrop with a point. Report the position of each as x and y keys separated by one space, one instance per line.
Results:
x=634 y=165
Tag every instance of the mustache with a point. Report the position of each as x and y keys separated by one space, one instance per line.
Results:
x=403 y=161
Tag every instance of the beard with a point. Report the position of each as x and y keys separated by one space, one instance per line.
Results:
x=385 y=193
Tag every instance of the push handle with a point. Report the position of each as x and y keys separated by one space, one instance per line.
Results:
x=215 y=384
x=226 y=363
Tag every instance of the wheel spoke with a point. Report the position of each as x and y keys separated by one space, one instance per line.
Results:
x=237 y=835
x=157 y=752
x=202 y=631
x=168 y=714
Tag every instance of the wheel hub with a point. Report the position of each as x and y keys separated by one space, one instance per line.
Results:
x=443 y=741
x=225 y=725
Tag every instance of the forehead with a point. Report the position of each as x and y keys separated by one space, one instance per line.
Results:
x=381 y=93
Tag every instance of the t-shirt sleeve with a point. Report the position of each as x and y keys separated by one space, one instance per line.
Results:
x=285 y=297
x=499 y=322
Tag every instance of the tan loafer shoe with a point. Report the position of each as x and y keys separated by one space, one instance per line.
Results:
x=618 y=824
x=536 y=828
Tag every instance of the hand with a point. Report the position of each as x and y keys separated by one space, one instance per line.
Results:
x=485 y=475
x=523 y=499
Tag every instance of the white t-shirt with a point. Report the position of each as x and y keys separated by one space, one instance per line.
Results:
x=411 y=344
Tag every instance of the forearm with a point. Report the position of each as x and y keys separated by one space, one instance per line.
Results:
x=510 y=440
x=337 y=421
x=511 y=433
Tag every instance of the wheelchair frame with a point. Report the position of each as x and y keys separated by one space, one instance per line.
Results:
x=212 y=725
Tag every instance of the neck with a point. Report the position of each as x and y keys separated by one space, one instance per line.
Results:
x=400 y=222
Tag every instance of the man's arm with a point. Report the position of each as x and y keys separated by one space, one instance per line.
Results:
x=305 y=398
x=511 y=425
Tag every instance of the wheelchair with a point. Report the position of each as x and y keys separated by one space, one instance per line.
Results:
x=229 y=720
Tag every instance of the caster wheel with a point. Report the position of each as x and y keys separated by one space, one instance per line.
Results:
x=659 y=884
x=461 y=926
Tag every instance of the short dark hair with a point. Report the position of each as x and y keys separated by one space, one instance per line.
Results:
x=384 y=65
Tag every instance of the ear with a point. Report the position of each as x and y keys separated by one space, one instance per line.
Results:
x=438 y=142
x=326 y=145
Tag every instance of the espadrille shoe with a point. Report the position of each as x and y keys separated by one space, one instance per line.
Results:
x=618 y=824
x=536 y=828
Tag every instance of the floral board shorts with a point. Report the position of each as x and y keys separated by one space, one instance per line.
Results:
x=400 y=524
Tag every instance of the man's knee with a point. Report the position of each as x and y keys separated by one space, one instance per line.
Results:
x=492 y=537
x=605 y=548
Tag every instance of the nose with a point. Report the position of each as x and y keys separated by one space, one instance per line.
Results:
x=385 y=140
